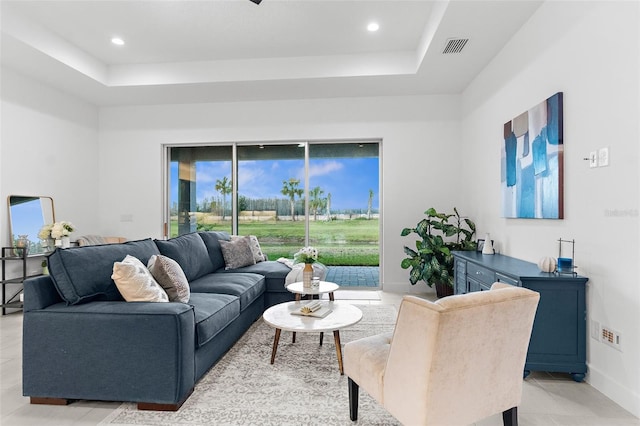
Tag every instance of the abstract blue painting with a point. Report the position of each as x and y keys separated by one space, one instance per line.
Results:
x=532 y=163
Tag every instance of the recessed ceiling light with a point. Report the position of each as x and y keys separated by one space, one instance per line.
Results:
x=373 y=27
x=117 y=41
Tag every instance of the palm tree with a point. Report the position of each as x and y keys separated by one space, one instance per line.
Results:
x=290 y=189
x=316 y=202
x=224 y=187
x=370 y=204
x=329 y=207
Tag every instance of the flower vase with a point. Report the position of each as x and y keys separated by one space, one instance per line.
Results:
x=66 y=242
x=307 y=275
x=58 y=242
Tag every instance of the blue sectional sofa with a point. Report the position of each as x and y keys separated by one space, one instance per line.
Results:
x=81 y=340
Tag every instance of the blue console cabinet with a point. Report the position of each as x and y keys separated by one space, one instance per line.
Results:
x=558 y=340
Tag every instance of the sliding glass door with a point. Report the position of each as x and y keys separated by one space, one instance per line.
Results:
x=271 y=196
x=200 y=189
x=344 y=202
x=324 y=194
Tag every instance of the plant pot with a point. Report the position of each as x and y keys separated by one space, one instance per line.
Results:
x=443 y=290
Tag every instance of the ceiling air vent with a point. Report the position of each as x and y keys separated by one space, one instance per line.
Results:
x=455 y=45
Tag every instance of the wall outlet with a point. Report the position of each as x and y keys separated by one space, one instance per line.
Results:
x=593 y=159
x=603 y=157
x=611 y=337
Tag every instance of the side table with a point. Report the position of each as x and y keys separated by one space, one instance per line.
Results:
x=299 y=290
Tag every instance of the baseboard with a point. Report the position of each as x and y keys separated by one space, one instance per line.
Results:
x=621 y=395
x=406 y=288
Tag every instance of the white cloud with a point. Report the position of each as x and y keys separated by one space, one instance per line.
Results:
x=324 y=168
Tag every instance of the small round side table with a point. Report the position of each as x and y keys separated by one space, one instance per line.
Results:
x=324 y=287
x=299 y=290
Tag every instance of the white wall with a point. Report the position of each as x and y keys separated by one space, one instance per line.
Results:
x=420 y=146
x=589 y=51
x=49 y=147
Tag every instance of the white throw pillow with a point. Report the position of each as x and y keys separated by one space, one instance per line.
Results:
x=168 y=273
x=135 y=282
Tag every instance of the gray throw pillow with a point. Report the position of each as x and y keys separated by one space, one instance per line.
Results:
x=168 y=273
x=258 y=255
x=237 y=253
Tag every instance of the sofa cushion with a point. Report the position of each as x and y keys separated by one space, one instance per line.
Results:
x=168 y=273
x=83 y=274
x=248 y=287
x=237 y=253
x=212 y=241
x=274 y=272
x=190 y=253
x=213 y=312
x=135 y=282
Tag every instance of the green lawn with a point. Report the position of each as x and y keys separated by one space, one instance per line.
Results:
x=340 y=242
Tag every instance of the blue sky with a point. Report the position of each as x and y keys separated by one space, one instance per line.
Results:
x=347 y=179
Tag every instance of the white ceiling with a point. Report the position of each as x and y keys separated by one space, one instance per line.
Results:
x=181 y=51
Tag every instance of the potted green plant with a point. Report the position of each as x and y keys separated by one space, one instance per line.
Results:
x=432 y=260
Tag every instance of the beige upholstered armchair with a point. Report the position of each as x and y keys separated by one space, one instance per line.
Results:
x=452 y=362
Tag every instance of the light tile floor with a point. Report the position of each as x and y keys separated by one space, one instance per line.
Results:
x=549 y=400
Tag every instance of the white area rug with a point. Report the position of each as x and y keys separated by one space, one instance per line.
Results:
x=302 y=387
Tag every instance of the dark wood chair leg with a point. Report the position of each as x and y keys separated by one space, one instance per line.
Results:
x=510 y=417
x=353 y=400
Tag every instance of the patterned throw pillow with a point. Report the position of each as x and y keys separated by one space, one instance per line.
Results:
x=258 y=255
x=237 y=253
x=135 y=282
x=168 y=273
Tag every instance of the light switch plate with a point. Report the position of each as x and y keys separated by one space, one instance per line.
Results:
x=593 y=159
x=603 y=157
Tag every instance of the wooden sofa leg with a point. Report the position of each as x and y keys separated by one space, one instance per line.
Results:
x=510 y=417
x=153 y=406
x=50 y=401
x=353 y=400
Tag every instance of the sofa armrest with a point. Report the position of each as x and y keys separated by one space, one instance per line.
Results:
x=39 y=292
x=111 y=351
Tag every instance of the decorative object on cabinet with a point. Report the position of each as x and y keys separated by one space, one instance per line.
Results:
x=558 y=340
x=532 y=162
x=566 y=265
x=8 y=254
x=27 y=214
x=487 y=248
x=547 y=264
x=432 y=261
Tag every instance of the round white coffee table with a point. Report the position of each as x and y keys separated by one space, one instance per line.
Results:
x=281 y=318
x=324 y=287
x=300 y=290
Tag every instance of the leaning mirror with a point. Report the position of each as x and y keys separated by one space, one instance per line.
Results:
x=27 y=215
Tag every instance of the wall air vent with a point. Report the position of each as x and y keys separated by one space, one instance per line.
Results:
x=455 y=45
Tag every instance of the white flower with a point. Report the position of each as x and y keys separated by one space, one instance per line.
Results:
x=45 y=231
x=61 y=229
x=306 y=255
